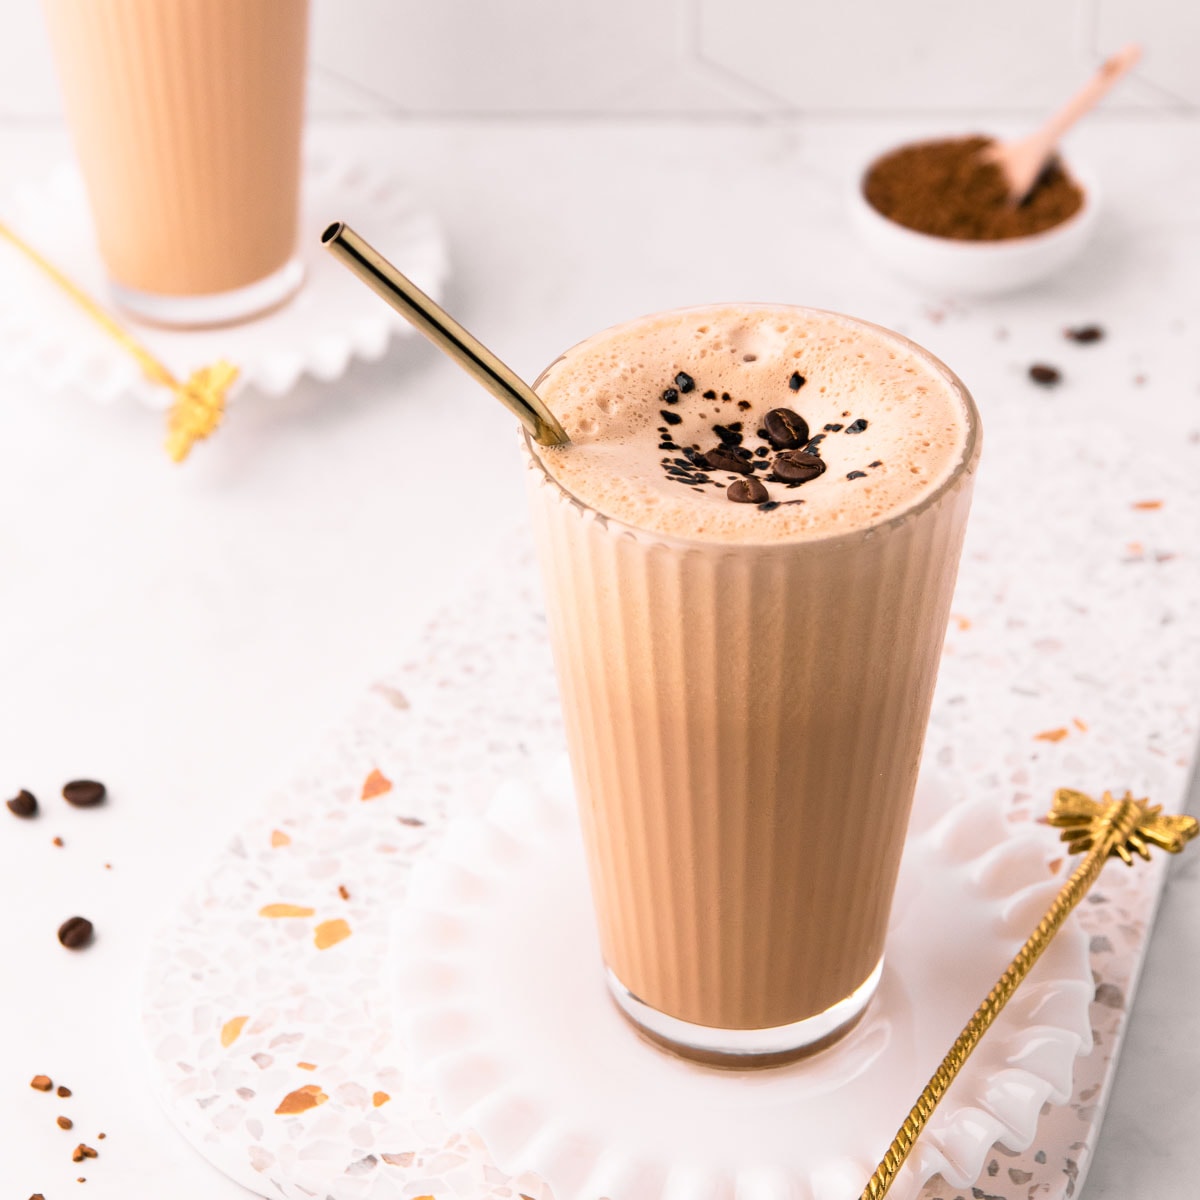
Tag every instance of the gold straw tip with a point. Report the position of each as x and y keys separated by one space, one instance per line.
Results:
x=332 y=230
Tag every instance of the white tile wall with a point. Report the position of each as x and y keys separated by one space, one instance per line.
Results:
x=698 y=57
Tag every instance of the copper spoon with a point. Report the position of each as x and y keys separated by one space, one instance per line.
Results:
x=1022 y=161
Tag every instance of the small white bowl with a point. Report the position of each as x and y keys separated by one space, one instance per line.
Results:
x=965 y=268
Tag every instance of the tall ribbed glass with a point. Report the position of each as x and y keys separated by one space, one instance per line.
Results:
x=745 y=723
x=186 y=117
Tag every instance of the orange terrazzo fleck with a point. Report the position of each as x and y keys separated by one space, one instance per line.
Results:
x=1050 y=735
x=301 y=1100
x=963 y=623
x=1080 y=725
x=307 y=1066
x=329 y=933
x=286 y=910
x=380 y=1098
x=1147 y=505
x=232 y=1030
x=279 y=838
x=375 y=784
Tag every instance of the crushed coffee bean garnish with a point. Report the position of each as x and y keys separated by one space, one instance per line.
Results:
x=856 y=426
x=877 y=463
x=41 y=1083
x=57 y=842
x=345 y=895
x=684 y=382
x=947 y=189
x=747 y=491
x=1084 y=334
x=795 y=466
x=814 y=442
x=786 y=430
x=23 y=804
x=671 y=396
x=730 y=435
x=769 y=506
x=671 y=418
x=84 y=793
x=857 y=475
x=1046 y=375
x=762 y=452
x=64 y=1092
x=710 y=395
x=834 y=428
x=75 y=932
x=83 y=1151
x=743 y=405
x=64 y=1122
x=797 y=381
x=722 y=458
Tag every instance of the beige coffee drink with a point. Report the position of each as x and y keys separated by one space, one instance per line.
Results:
x=186 y=116
x=749 y=551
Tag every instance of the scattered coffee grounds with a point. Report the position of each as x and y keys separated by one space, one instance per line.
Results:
x=684 y=382
x=23 y=804
x=710 y=395
x=877 y=463
x=722 y=458
x=671 y=396
x=671 y=418
x=83 y=1151
x=57 y=841
x=857 y=475
x=742 y=404
x=834 y=428
x=795 y=466
x=1045 y=375
x=64 y=1122
x=75 y=932
x=37 y=1196
x=1084 y=334
x=345 y=895
x=944 y=188
x=857 y=426
x=84 y=793
x=64 y=1092
x=770 y=506
x=797 y=381
x=786 y=430
x=747 y=491
x=41 y=1083
x=101 y=1136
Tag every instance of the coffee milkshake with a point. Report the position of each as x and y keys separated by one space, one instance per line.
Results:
x=749 y=551
x=186 y=117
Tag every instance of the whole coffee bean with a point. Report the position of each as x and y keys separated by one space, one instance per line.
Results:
x=84 y=793
x=721 y=458
x=746 y=491
x=1045 y=375
x=75 y=932
x=785 y=429
x=794 y=466
x=23 y=804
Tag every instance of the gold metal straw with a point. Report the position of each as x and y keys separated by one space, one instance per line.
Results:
x=445 y=332
x=199 y=399
x=1110 y=828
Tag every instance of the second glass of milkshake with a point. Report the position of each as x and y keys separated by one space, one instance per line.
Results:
x=749 y=550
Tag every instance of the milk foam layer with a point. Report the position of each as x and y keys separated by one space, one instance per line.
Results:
x=608 y=394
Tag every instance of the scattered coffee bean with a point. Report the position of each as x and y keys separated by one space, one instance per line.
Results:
x=37 y=1196
x=796 y=382
x=833 y=428
x=1045 y=375
x=1084 y=334
x=722 y=458
x=84 y=793
x=671 y=418
x=684 y=382
x=23 y=804
x=877 y=463
x=770 y=506
x=64 y=1122
x=730 y=435
x=41 y=1083
x=857 y=426
x=75 y=932
x=64 y=1092
x=794 y=466
x=762 y=452
x=857 y=475
x=747 y=491
x=785 y=429
x=83 y=1151
x=101 y=1136
x=671 y=396
x=710 y=395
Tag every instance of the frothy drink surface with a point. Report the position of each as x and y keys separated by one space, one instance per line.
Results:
x=746 y=682
x=645 y=403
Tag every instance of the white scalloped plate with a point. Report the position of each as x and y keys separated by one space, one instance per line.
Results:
x=331 y=320
x=507 y=1020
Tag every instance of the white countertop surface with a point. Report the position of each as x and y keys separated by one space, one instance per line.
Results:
x=186 y=633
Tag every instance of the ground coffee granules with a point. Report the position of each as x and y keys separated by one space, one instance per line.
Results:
x=945 y=189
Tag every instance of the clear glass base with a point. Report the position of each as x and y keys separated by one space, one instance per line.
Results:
x=212 y=308
x=746 y=1047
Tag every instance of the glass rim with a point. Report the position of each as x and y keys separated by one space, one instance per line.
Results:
x=963 y=467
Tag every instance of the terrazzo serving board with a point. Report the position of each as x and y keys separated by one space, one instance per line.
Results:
x=1070 y=661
